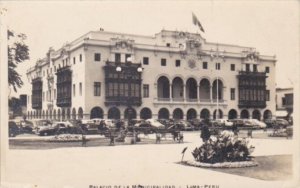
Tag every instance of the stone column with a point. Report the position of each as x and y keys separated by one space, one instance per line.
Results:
x=170 y=89
x=184 y=92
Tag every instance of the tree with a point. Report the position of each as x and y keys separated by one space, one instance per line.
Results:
x=18 y=52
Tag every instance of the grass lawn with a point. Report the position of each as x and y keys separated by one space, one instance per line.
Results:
x=274 y=167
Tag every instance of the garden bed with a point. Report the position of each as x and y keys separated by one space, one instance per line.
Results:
x=238 y=164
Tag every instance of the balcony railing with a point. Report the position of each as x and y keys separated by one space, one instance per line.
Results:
x=252 y=104
x=251 y=73
x=189 y=101
x=178 y=99
x=64 y=102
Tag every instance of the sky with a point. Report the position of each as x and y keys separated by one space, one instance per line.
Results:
x=272 y=27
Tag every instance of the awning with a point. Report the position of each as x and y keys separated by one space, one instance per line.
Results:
x=281 y=113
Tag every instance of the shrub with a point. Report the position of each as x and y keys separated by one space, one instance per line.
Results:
x=223 y=148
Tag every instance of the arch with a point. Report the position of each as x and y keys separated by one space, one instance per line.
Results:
x=244 y=114
x=54 y=114
x=130 y=113
x=96 y=112
x=163 y=87
x=28 y=115
x=191 y=114
x=219 y=115
x=205 y=114
x=217 y=89
x=191 y=89
x=163 y=113
x=68 y=113
x=58 y=115
x=80 y=113
x=267 y=114
x=46 y=116
x=114 y=113
x=177 y=88
x=256 y=114
x=145 y=113
x=204 y=89
x=63 y=114
x=177 y=114
x=73 y=113
x=50 y=114
x=232 y=114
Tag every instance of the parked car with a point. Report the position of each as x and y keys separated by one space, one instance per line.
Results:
x=197 y=123
x=222 y=122
x=56 y=128
x=108 y=123
x=97 y=120
x=184 y=125
x=257 y=123
x=155 y=123
x=39 y=124
x=281 y=123
x=13 y=129
x=270 y=122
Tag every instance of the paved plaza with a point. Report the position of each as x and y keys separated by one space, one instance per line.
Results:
x=144 y=164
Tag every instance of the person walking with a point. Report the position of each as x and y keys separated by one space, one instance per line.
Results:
x=235 y=129
x=205 y=133
x=83 y=140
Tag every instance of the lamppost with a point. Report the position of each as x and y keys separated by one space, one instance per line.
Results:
x=217 y=55
x=128 y=73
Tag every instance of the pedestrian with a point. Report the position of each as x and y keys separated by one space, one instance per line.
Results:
x=205 y=133
x=83 y=140
x=249 y=133
x=112 y=138
x=158 y=138
x=175 y=136
x=180 y=137
x=235 y=129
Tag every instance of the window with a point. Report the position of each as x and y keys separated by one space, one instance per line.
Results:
x=127 y=58
x=163 y=62
x=232 y=93
x=267 y=69
x=254 y=68
x=80 y=57
x=168 y=44
x=97 y=88
x=117 y=57
x=247 y=67
x=145 y=90
x=267 y=95
x=232 y=67
x=177 y=63
x=97 y=57
x=146 y=60
x=204 y=65
x=283 y=101
x=74 y=60
x=74 y=90
x=218 y=66
x=80 y=89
